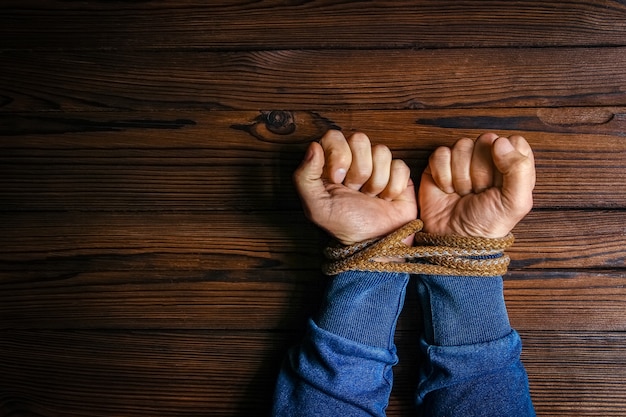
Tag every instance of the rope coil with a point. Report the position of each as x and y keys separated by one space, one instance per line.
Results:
x=432 y=255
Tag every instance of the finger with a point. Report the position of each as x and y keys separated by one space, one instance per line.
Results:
x=524 y=148
x=514 y=159
x=338 y=156
x=482 y=169
x=399 y=175
x=381 y=166
x=308 y=178
x=460 y=163
x=440 y=169
x=409 y=196
x=361 y=167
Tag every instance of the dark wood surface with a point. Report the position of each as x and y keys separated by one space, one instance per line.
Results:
x=388 y=79
x=154 y=259
x=276 y=24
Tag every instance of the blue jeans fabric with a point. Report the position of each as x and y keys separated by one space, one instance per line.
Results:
x=342 y=369
x=483 y=379
x=328 y=375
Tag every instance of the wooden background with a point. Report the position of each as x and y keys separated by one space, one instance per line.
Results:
x=154 y=260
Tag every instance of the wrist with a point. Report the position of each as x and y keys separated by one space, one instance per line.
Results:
x=408 y=241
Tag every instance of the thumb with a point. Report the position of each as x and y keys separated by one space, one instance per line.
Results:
x=308 y=176
x=408 y=196
x=514 y=159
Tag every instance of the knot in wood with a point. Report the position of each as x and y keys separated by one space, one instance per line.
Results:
x=280 y=122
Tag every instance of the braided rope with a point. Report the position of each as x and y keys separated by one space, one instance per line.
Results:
x=434 y=255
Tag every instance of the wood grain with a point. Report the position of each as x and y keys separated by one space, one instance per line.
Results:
x=575 y=373
x=56 y=241
x=218 y=300
x=137 y=373
x=273 y=299
x=154 y=259
x=566 y=301
x=173 y=373
x=227 y=160
x=312 y=79
x=190 y=24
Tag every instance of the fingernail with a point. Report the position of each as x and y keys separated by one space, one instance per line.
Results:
x=339 y=176
x=506 y=146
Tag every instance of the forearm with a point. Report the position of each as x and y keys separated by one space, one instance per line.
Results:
x=473 y=362
x=343 y=366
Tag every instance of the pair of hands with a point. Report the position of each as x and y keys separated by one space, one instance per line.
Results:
x=356 y=191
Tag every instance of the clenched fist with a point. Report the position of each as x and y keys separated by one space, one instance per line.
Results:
x=478 y=188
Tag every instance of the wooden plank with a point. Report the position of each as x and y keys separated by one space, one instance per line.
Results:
x=277 y=240
x=154 y=258
x=138 y=373
x=254 y=299
x=567 y=301
x=576 y=373
x=120 y=241
x=312 y=79
x=235 y=160
x=270 y=299
x=548 y=240
x=34 y=24
x=173 y=373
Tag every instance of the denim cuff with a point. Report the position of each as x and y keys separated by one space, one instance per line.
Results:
x=462 y=310
x=364 y=306
x=485 y=379
x=329 y=375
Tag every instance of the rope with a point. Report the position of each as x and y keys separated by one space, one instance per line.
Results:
x=433 y=255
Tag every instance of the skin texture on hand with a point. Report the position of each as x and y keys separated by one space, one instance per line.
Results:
x=356 y=191
x=478 y=188
x=353 y=190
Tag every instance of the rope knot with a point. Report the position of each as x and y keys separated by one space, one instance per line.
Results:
x=432 y=254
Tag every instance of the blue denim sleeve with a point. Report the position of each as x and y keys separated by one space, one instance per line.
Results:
x=343 y=367
x=473 y=365
x=328 y=375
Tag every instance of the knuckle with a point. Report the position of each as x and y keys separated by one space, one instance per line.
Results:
x=393 y=189
x=338 y=156
x=380 y=150
x=357 y=178
x=464 y=144
x=440 y=155
x=332 y=135
x=488 y=137
x=400 y=168
x=298 y=175
x=295 y=177
x=516 y=139
x=373 y=187
x=333 y=139
x=359 y=138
